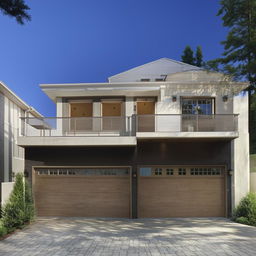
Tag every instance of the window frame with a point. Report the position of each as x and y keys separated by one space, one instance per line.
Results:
x=197 y=98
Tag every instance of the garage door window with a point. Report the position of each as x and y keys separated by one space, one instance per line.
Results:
x=206 y=171
x=180 y=171
x=84 y=171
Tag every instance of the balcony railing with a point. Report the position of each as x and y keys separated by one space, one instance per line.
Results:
x=127 y=126
x=78 y=126
x=187 y=123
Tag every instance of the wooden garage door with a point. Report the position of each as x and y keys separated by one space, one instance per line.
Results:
x=181 y=192
x=87 y=192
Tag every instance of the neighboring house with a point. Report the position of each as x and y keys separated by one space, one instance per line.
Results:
x=165 y=139
x=11 y=155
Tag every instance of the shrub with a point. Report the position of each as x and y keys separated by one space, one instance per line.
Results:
x=19 y=209
x=29 y=203
x=3 y=230
x=245 y=212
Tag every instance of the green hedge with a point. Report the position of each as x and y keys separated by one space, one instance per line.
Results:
x=245 y=212
x=19 y=209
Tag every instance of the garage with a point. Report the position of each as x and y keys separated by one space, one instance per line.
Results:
x=172 y=191
x=82 y=192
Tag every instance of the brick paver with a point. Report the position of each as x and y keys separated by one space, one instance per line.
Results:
x=153 y=237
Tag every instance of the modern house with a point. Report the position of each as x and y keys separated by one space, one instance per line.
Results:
x=11 y=155
x=165 y=139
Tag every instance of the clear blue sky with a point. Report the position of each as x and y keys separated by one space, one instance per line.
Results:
x=90 y=40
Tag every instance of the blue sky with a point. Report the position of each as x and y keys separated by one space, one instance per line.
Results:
x=90 y=40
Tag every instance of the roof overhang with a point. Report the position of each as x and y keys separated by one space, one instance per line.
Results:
x=107 y=89
x=17 y=100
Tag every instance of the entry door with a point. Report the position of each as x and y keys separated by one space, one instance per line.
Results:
x=146 y=116
x=81 y=116
x=112 y=112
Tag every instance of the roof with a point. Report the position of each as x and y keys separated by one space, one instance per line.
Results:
x=152 y=70
x=17 y=100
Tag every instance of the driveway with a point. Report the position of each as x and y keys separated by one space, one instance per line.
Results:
x=84 y=236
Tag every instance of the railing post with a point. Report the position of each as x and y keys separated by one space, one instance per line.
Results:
x=197 y=122
x=75 y=127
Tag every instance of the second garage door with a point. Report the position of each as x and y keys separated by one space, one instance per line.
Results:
x=82 y=192
x=181 y=192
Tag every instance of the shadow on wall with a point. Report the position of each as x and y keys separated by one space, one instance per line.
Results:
x=253 y=173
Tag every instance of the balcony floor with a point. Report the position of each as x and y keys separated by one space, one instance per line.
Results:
x=78 y=141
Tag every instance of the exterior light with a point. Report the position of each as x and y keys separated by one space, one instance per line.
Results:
x=174 y=98
x=225 y=98
x=230 y=172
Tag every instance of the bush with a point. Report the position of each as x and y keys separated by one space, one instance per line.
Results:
x=29 y=203
x=19 y=209
x=245 y=212
x=3 y=230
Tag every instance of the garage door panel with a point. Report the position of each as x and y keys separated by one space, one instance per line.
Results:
x=82 y=196
x=181 y=196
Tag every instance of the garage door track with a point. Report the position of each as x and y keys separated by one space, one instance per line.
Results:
x=85 y=236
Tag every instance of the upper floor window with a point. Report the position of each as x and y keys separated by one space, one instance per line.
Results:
x=197 y=106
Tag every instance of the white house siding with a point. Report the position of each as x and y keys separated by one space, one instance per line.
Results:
x=240 y=151
x=152 y=70
x=13 y=154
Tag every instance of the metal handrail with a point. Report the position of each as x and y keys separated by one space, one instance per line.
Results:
x=128 y=125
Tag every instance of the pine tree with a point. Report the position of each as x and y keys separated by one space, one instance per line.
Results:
x=188 y=56
x=13 y=211
x=239 y=56
x=29 y=203
x=199 y=57
x=17 y=9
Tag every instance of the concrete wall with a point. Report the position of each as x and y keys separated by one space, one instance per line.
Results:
x=6 y=191
x=253 y=182
x=253 y=173
x=240 y=151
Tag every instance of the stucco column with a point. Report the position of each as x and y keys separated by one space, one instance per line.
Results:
x=96 y=124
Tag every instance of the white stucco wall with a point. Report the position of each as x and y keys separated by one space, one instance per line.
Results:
x=6 y=191
x=240 y=151
x=253 y=182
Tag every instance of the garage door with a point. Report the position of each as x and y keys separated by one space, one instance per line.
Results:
x=181 y=192
x=88 y=192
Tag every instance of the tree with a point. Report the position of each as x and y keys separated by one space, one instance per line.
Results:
x=15 y=8
x=199 y=57
x=239 y=56
x=19 y=209
x=13 y=211
x=188 y=56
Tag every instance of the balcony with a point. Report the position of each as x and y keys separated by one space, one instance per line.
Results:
x=193 y=126
x=61 y=131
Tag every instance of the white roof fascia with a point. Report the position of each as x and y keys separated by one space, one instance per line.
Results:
x=99 y=89
x=17 y=100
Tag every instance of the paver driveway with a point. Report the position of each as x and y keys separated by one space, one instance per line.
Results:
x=83 y=236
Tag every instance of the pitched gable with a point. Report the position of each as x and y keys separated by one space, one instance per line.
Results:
x=157 y=69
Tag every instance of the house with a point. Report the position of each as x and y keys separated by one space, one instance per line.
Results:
x=11 y=155
x=165 y=139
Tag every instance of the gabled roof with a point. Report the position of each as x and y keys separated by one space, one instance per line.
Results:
x=17 y=100
x=152 y=70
